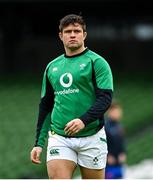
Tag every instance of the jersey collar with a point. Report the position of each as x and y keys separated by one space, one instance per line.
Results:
x=83 y=52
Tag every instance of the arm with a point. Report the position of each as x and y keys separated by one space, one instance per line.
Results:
x=43 y=122
x=45 y=108
x=103 y=84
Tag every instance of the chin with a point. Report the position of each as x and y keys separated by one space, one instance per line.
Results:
x=73 y=48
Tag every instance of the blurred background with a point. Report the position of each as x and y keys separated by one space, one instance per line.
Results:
x=121 y=31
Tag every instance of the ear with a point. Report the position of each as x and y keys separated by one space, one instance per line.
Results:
x=85 y=35
x=60 y=36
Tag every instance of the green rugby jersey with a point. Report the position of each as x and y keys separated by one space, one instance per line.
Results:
x=79 y=86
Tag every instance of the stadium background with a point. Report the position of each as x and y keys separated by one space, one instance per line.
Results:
x=121 y=31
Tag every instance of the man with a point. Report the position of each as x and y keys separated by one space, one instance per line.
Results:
x=76 y=92
x=116 y=142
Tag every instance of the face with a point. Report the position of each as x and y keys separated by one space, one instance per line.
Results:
x=115 y=114
x=73 y=37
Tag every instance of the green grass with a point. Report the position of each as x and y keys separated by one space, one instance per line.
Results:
x=136 y=99
x=18 y=113
x=140 y=147
x=135 y=95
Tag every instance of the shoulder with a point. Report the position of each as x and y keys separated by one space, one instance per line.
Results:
x=93 y=55
x=100 y=64
x=97 y=58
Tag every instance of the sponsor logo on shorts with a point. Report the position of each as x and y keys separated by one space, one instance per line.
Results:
x=54 y=152
x=102 y=139
x=95 y=160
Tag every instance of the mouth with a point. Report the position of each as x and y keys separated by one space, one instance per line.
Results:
x=72 y=41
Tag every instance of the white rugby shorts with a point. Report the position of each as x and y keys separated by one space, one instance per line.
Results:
x=90 y=152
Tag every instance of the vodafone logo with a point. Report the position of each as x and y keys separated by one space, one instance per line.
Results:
x=66 y=80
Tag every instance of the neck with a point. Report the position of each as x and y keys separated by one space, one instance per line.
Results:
x=72 y=52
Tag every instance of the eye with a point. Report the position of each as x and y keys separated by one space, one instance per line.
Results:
x=77 y=31
x=67 y=31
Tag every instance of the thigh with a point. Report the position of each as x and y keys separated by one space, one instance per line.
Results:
x=61 y=158
x=59 y=148
x=60 y=169
x=93 y=151
x=92 y=173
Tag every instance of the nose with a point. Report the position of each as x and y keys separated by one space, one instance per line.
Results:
x=72 y=33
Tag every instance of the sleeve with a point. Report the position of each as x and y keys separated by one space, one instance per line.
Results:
x=45 y=108
x=103 y=84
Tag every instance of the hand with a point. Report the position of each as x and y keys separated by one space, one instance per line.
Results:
x=74 y=126
x=35 y=155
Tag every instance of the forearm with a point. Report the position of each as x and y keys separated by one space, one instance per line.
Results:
x=102 y=103
x=45 y=108
x=42 y=129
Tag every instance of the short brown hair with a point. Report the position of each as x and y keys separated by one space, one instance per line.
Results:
x=72 y=19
